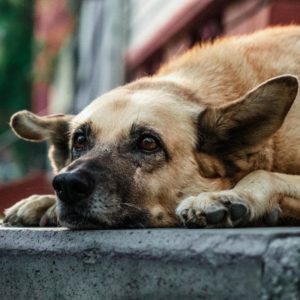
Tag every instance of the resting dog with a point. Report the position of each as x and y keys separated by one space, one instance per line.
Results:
x=212 y=140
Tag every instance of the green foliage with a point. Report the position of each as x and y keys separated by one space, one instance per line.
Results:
x=16 y=40
x=16 y=24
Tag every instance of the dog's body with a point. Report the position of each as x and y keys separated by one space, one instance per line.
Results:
x=213 y=140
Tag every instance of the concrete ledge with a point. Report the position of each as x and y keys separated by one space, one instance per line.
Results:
x=261 y=263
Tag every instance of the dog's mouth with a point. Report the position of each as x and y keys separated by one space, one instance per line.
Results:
x=74 y=218
x=77 y=221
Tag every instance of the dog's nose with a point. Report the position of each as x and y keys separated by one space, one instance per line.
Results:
x=71 y=187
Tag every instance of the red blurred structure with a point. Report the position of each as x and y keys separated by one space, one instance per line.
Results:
x=202 y=20
x=53 y=23
x=35 y=183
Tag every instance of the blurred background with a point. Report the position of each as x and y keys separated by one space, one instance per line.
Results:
x=56 y=56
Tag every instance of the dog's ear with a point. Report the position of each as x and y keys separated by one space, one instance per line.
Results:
x=248 y=121
x=53 y=128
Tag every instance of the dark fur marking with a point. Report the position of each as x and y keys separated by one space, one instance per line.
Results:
x=59 y=139
x=233 y=136
x=230 y=168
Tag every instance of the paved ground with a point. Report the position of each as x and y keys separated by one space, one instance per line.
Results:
x=261 y=263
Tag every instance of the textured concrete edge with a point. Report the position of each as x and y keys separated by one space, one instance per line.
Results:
x=263 y=260
x=153 y=242
x=281 y=269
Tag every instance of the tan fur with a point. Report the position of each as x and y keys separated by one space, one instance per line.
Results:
x=228 y=115
x=32 y=211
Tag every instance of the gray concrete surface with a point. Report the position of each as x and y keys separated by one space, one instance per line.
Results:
x=262 y=263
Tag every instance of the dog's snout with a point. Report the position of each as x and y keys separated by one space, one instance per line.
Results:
x=73 y=186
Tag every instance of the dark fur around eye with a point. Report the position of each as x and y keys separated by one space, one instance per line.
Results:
x=80 y=141
x=143 y=134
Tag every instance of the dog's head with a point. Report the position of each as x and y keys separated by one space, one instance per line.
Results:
x=132 y=155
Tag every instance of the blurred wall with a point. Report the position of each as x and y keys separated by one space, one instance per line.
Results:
x=102 y=42
x=53 y=25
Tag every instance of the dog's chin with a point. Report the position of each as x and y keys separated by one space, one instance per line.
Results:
x=80 y=219
x=74 y=220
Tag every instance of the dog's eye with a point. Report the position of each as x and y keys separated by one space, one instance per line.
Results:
x=80 y=141
x=148 y=144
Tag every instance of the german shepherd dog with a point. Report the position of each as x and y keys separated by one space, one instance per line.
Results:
x=212 y=140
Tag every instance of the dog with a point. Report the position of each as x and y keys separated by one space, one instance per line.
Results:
x=212 y=140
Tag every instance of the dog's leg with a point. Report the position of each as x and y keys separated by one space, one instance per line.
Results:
x=258 y=194
x=36 y=210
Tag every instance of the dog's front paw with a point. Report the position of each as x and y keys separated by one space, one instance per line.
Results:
x=214 y=210
x=36 y=210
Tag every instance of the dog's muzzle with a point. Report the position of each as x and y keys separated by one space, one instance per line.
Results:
x=97 y=193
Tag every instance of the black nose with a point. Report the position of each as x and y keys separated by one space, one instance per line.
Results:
x=71 y=187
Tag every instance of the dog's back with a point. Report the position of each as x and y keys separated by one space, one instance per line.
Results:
x=228 y=68
x=232 y=66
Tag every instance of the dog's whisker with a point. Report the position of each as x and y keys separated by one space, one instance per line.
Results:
x=132 y=206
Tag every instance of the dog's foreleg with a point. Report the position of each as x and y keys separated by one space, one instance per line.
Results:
x=257 y=195
x=36 y=210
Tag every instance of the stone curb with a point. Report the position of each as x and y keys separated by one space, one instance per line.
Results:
x=39 y=263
